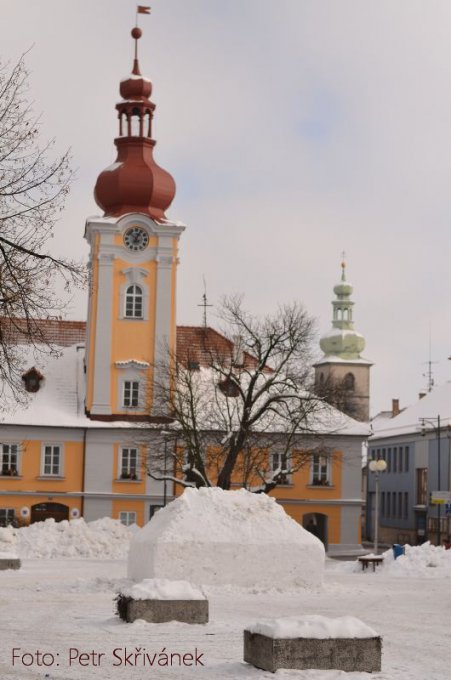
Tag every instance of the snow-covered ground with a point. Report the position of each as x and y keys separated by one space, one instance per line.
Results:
x=62 y=604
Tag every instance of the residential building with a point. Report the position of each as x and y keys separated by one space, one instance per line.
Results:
x=416 y=446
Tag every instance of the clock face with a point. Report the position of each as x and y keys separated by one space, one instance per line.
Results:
x=136 y=238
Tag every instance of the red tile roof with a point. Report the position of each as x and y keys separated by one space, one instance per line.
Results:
x=195 y=344
x=51 y=331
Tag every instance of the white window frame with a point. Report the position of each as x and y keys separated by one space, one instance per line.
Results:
x=134 y=295
x=135 y=276
x=10 y=511
x=316 y=470
x=9 y=465
x=52 y=446
x=125 y=451
x=127 y=517
x=281 y=460
x=134 y=386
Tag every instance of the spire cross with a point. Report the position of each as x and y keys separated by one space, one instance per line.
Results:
x=204 y=304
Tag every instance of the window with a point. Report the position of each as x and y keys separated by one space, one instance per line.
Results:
x=400 y=460
x=127 y=517
x=349 y=382
x=10 y=460
x=32 y=380
x=406 y=505
x=229 y=387
x=280 y=462
x=388 y=460
x=383 y=503
x=52 y=460
x=320 y=470
x=399 y=504
x=406 y=459
x=129 y=464
x=388 y=504
x=134 y=302
x=422 y=486
x=395 y=459
x=131 y=394
x=7 y=516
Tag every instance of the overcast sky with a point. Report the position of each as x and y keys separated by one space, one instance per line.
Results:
x=295 y=129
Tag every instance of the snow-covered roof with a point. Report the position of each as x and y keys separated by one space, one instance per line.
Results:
x=433 y=404
x=60 y=399
x=334 y=359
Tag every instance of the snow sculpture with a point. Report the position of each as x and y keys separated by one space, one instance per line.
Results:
x=211 y=536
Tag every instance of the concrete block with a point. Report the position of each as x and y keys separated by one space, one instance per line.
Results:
x=344 y=654
x=9 y=563
x=161 y=611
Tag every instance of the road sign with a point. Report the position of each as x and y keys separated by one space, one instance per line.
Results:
x=440 y=497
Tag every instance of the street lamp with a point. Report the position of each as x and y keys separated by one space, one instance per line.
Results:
x=166 y=436
x=437 y=429
x=377 y=466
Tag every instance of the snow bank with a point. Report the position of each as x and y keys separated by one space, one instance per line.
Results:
x=216 y=537
x=162 y=589
x=105 y=538
x=423 y=561
x=313 y=626
x=8 y=543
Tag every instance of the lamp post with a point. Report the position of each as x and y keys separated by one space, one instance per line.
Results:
x=166 y=435
x=377 y=466
x=436 y=427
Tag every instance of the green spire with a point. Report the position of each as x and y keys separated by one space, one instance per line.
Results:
x=342 y=340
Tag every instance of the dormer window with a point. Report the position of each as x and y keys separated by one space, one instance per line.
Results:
x=32 y=380
x=229 y=387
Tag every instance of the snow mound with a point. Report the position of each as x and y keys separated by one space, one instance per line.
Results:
x=162 y=589
x=424 y=561
x=313 y=626
x=8 y=543
x=215 y=537
x=104 y=538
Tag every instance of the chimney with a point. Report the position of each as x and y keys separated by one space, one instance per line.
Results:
x=394 y=407
x=421 y=395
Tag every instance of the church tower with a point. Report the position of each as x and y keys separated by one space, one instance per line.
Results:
x=133 y=260
x=342 y=376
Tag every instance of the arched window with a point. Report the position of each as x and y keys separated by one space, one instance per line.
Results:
x=134 y=302
x=349 y=381
x=136 y=122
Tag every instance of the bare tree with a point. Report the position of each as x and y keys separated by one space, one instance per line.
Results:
x=241 y=403
x=33 y=185
x=339 y=393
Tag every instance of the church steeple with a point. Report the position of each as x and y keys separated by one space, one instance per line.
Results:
x=133 y=260
x=135 y=183
x=342 y=340
x=342 y=375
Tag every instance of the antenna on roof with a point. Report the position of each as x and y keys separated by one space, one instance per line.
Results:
x=429 y=374
x=204 y=304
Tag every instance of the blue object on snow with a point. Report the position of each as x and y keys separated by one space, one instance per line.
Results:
x=398 y=550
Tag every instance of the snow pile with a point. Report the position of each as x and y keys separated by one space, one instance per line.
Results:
x=162 y=589
x=8 y=543
x=313 y=626
x=216 y=537
x=105 y=538
x=424 y=561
